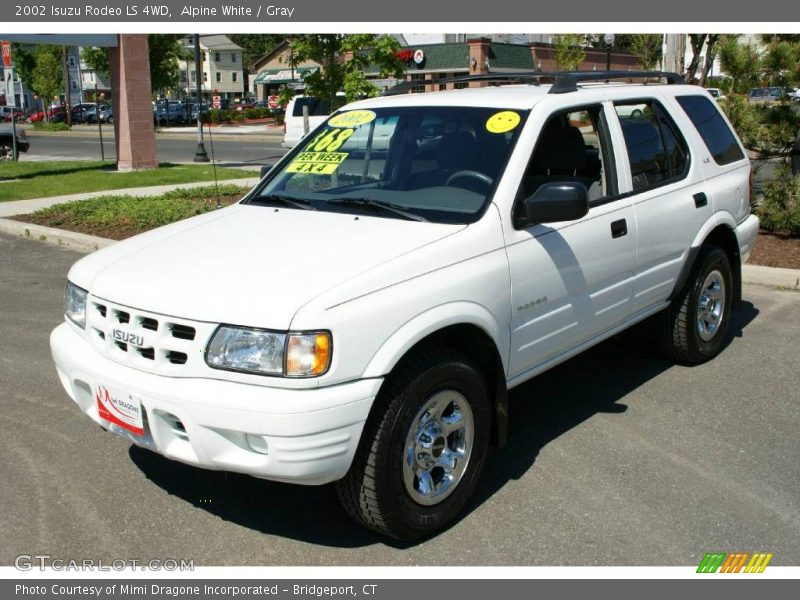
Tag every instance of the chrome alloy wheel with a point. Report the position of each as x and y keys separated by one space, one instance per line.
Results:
x=711 y=306
x=437 y=448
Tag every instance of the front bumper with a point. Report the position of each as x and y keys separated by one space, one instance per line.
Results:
x=304 y=436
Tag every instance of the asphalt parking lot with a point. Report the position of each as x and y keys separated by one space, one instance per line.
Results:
x=615 y=458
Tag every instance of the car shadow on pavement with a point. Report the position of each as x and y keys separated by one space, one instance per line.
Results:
x=547 y=406
x=541 y=410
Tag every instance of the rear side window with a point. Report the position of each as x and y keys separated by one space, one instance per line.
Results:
x=718 y=137
x=657 y=152
x=316 y=107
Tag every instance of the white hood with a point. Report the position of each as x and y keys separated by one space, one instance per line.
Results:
x=247 y=265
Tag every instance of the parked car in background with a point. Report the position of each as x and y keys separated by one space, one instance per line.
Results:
x=7 y=111
x=194 y=110
x=716 y=93
x=765 y=95
x=7 y=142
x=103 y=113
x=243 y=106
x=55 y=114
x=293 y=129
x=795 y=95
x=80 y=111
x=170 y=113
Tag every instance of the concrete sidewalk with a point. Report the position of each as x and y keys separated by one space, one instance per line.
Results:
x=260 y=129
x=22 y=207
x=226 y=129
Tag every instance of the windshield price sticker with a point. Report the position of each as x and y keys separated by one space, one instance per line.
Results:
x=502 y=122
x=320 y=163
x=352 y=118
x=330 y=140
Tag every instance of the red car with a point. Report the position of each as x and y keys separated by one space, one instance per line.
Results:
x=7 y=111
x=54 y=115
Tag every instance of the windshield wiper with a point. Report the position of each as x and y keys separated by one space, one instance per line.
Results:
x=380 y=204
x=285 y=200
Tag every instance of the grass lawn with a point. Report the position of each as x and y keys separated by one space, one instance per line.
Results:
x=119 y=217
x=24 y=180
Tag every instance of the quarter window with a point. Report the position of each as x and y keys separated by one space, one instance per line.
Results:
x=717 y=136
x=657 y=153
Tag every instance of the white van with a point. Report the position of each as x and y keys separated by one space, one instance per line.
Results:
x=318 y=111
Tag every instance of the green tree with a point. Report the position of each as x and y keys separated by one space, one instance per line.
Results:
x=569 y=52
x=96 y=59
x=24 y=60
x=344 y=58
x=740 y=62
x=166 y=52
x=646 y=47
x=46 y=77
x=696 y=41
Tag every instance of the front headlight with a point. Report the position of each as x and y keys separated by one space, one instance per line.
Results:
x=75 y=304
x=266 y=352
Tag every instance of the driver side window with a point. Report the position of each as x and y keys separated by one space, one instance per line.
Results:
x=572 y=147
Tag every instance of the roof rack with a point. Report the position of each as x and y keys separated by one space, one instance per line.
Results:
x=563 y=81
x=568 y=81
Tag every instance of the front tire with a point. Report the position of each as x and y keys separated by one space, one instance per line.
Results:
x=693 y=329
x=423 y=448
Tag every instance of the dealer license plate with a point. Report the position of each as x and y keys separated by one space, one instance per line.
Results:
x=121 y=408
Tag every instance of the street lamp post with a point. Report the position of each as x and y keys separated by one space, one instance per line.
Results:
x=200 y=155
x=97 y=116
x=609 y=40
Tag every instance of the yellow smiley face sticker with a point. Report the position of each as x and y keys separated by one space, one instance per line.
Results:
x=502 y=121
x=352 y=118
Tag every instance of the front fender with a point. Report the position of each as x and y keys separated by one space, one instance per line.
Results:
x=431 y=321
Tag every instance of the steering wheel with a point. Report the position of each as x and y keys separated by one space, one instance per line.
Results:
x=467 y=173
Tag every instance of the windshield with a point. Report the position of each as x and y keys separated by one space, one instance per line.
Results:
x=428 y=163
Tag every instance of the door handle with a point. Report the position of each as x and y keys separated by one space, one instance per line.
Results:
x=700 y=200
x=619 y=228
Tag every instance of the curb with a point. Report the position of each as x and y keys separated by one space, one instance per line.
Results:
x=785 y=279
x=81 y=242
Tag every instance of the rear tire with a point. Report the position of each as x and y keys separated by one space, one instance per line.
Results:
x=693 y=329
x=422 y=449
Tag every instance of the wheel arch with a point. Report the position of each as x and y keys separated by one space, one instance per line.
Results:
x=465 y=327
x=719 y=230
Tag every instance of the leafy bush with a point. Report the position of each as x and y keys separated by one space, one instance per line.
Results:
x=257 y=113
x=780 y=207
x=42 y=126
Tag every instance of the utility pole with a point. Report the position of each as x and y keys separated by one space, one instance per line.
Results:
x=67 y=103
x=200 y=154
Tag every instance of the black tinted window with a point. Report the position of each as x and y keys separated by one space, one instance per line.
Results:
x=316 y=107
x=716 y=134
x=656 y=151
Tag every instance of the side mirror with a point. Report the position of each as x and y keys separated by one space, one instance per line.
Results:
x=265 y=169
x=556 y=201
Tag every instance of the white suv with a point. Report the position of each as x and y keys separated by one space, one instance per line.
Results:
x=360 y=315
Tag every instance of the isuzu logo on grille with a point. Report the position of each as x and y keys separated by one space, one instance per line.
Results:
x=128 y=337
